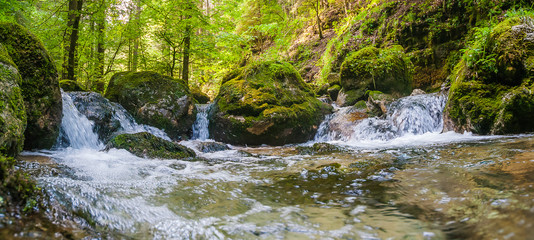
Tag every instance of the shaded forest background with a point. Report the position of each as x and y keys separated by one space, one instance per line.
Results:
x=202 y=40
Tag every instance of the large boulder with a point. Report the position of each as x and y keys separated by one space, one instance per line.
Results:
x=12 y=111
x=265 y=103
x=40 y=87
x=388 y=70
x=71 y=86
x=147 y=145
x=155 y=100
x=492 y=87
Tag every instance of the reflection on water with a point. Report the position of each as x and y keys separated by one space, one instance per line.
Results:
x=473 y=188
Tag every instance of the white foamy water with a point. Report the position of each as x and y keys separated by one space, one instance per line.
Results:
x=76 y=128
x=231 y=194
x=200 y=127
x=129 y=125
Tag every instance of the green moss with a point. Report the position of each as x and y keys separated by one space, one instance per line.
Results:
x=388 y=70
x=491 y=90
x=147 y=145
x=266 y=103
x=71 y=86
x=40 y=88
x=199 y=96
x=17 y=190
x=12 y=111
x=156 y=100
x=4 y=56
x=362 y=105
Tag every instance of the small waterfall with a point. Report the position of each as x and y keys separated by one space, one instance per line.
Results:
x=200 y=127
x=129 y=125
x=413 y=115
x=76 y=130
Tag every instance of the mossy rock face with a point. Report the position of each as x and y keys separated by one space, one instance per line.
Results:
x=12 y=110
x=388 y=70
x=71 y=86
x=40 y=87
x=199 y=96
x=155 y=100
x=17 y=191
x=147 y=145
x=492 y=92
x=266 y=103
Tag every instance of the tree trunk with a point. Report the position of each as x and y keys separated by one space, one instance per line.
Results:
x=70 y=62
x=187 y=45
x=187 y=49
x=135 y=56
x=100 y=51
x=319 y=27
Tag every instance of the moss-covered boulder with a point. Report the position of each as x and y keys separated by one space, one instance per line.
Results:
x=71 y=86
x=388 y=70
x=265 y=103
x=147 y=145
x=40 y=87
x=12 y=111
x=492 y=88
x=199 y=96
x=155 y=100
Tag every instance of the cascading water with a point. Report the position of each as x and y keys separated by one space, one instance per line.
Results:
x=276 y=193
x=76 y=130
x=413 y=115
x=200 y=127
x=129 y=125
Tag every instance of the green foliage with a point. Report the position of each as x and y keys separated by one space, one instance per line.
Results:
x=491 y=91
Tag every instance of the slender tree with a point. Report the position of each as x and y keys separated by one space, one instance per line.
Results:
x=71 y=39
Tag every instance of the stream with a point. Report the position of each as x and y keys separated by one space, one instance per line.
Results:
x=397 y=177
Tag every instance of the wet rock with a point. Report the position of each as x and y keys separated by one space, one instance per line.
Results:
x=12 y=111
x=333 y=92
x=40 y=87
x=265 y=103
x=71 y=86
x=199 y=96
x=377 y=103
x=492 y=92
x=318 y=148
x=417 y=91
x=388 y=70
x=155 y=100
x=99 y=110
x=147 y=145
x=210 y=147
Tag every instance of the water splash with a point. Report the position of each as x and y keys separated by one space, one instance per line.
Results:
x=129 y=125
x=200 y=127
x=413 y=115
x=76 y=130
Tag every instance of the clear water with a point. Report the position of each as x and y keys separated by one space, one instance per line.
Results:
x=423 y=185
